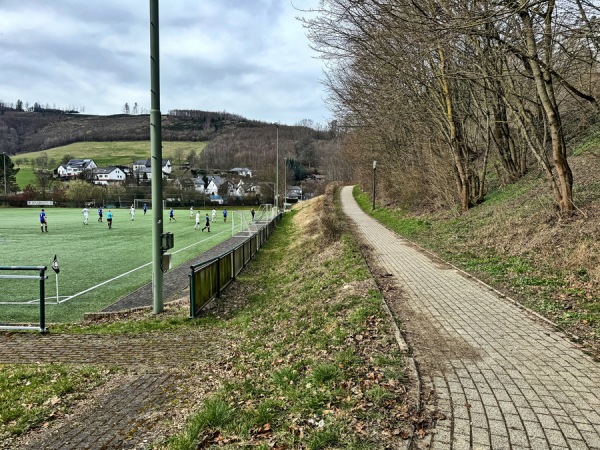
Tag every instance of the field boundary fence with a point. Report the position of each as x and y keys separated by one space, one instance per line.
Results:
x=209 y=278
x=42 y=279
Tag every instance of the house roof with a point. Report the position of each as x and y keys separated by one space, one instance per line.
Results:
x=79 y=163
x=217 y=180
x=108 y=169
x=148 y=162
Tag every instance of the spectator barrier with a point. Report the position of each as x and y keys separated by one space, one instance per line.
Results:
x=209 y=278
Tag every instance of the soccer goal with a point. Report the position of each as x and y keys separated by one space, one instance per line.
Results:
x=265 y=213
x=138 y=203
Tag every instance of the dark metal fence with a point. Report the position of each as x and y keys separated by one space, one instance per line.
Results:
x=209 y=278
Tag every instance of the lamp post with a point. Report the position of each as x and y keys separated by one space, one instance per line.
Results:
x=277 y=170
x=4 y=156
x=284 y=182
x=156 y=151
x=374 y=165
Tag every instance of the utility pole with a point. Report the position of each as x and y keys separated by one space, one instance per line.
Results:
x=156 y=158
x=284 y=182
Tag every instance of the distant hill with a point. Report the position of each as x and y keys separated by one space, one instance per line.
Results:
x=231 y=140
x=22 y=132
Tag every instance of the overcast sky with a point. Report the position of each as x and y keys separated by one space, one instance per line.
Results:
x=247 y=57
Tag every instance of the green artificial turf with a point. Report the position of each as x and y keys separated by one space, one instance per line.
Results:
x=90 y=257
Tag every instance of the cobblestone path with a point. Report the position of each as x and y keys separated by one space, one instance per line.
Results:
x=500 y=377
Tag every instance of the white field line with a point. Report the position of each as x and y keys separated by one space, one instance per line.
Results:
x=71 y=297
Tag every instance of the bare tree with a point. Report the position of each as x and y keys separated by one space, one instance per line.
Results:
x=434 y=86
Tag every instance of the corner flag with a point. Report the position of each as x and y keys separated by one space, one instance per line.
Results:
x=55 y=265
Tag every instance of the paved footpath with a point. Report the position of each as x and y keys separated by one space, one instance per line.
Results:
x=499 y=377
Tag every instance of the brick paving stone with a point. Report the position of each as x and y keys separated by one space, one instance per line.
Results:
x=526 y=374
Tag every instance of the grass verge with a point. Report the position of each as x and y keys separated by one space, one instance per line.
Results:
x=317 y=367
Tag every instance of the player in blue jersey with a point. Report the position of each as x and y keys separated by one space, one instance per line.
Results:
x=43 y=223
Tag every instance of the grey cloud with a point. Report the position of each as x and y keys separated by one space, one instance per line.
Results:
x=243 y=57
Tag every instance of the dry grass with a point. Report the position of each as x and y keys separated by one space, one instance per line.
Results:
x=552 y=261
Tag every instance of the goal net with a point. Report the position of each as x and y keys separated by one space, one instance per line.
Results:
x=264 y=213
x=139 y=203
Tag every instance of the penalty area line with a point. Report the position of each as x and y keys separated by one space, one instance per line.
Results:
x=104 y=282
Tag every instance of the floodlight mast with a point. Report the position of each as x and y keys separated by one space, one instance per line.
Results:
x=156 y=162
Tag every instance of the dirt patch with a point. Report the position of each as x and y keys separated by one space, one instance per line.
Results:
x=431 y=347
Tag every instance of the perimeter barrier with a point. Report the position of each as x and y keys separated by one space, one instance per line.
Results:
x=42 y=279
x=209 y=278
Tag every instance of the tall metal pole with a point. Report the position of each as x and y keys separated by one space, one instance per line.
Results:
x=284 y=182
x=4 y=155
x=277 y=172
x=374 y=165
x=156 y=147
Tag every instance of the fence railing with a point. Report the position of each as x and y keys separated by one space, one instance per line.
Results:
x=42 y=279
x=209 y=278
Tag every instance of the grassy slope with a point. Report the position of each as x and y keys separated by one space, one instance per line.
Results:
x=103 y=154
x=517 y=242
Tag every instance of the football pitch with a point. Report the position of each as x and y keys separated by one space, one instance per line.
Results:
x=97 y=265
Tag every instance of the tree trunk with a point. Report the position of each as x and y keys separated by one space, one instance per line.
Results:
x=545 y=93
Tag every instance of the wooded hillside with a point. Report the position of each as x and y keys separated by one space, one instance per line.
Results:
x=22 y=132
x=453 y=96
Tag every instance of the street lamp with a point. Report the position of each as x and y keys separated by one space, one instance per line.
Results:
x=277 y=170
x=374 y=165
x=4 y=156
x=284 y=182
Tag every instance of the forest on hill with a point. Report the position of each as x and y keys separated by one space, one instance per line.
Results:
x=31 y=131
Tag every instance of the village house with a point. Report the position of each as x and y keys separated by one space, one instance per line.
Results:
x=75 y=167
x=199 y=184
x=242 y=171
x=213 y=185
x=108 y=175
x=142 y=168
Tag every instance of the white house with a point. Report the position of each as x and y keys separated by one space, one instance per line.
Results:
x=61 y=171
x=199 y=184
x=213 y=185
x=242 y=171
x=108 y=175
x=74 y=167
x=143 y=164
x=238 y=189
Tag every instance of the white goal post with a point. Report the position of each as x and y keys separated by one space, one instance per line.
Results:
x=138 y=203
